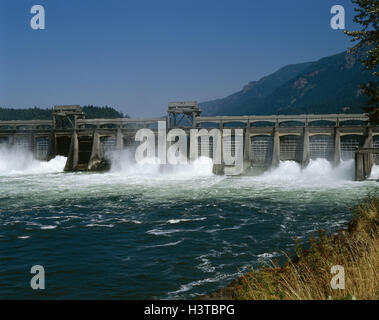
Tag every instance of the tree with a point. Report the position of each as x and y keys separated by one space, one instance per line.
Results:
x=368 y=37
x=46 y=114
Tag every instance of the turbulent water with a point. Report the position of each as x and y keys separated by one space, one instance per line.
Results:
x=142 y=231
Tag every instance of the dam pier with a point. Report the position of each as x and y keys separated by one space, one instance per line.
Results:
x=264 y=140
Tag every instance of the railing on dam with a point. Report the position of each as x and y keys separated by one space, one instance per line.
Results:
x=20 y=125
x=120 y=123
x=337 y=119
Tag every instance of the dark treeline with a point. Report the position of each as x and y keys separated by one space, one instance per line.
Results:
x=106 y=112
x=46 y=114
x=25 y=114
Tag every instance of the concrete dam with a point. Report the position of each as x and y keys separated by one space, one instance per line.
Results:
x=265 y=140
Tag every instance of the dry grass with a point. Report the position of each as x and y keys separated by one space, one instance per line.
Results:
x=307 y=276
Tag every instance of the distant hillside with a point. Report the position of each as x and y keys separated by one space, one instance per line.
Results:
x=106 y=112
x=46 y=114
x=253 y=94
x=330 y=85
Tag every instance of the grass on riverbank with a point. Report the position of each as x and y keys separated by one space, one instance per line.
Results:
x=308 y=276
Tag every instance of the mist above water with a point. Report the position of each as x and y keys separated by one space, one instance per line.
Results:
x=124 y=164
x=319 y=172
x=16 y=161
x=374 y=172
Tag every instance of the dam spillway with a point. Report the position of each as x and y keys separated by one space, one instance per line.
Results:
x=265 y=140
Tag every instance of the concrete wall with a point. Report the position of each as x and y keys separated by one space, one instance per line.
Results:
x=267 y=140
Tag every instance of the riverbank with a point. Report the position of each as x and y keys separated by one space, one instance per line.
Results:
x=307 y=275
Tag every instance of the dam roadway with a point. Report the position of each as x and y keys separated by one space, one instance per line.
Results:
x=266 y=139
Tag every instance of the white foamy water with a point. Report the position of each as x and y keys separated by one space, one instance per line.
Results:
x=191 y=224
x=375 y=172
x=124 y=164
x=319 y=172
x=16 y=161
x=173 y=221
x=45 y=181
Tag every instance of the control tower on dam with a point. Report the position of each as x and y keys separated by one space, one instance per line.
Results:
x=263 y=140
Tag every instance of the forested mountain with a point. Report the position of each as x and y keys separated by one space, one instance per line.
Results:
x=330 y=85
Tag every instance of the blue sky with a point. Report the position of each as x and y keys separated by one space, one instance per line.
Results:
x=138 y=55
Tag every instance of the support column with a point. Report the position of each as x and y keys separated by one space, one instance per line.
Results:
x=247 y=147
x=219 y=168
x=337 y=146
x=73 y=155
x=168 y=120
x=194 y=145
x=359 y=168
x=368 y=158
x=119 y=140
x=168 y=145
x=32 y=146
x=51 y=151
x=306 y=152
x=369 y=139
x=276 y=147
x=96 y=158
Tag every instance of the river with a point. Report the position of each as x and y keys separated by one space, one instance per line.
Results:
x=138 y=232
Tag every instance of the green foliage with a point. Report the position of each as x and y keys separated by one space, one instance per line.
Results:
x=35 y=113
x=25 y=114
x=371 y=90
x=93 y=112
x=368 y=17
